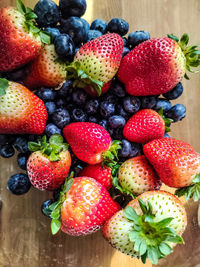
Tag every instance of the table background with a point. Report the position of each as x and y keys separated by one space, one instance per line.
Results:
x=25 y=238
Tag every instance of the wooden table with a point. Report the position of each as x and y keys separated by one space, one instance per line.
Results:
x=25 y=239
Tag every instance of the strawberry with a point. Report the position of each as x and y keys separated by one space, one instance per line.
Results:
x=21 y=112
x=177 y=164
x=149 y=227
x=97 y=62
x=20 y=40
x=49 y=164
x=83 y=207
x=157 y=65
x=91 y=91
x=46 y=69
x=90 y=142
x=146 y=125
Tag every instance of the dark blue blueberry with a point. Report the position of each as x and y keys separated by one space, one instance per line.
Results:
x=126 y=149
x=75 y=28
x=66 y=89
x=131 y=104
x=51 y=107
x=52 y=129
x=92 y=34
x=47 y=13
x=148 y=101
x=17 y=75
x=86 y=24
x=176 y=113
x=125 y=51
x=107 y=109
x=46 y=94
x=54 y=32
x=60 y=103
x=4 y=139
x=99 y=25
x=110 y=131
x=45 y=207
x=11 y=139
x=117 y=88
x=135 y=149
x=79 y=97
x=125 y=40
x=92 y=119
x=70 y=8
x=61 y=117
x=78 y=115
x=22 y=160
x=119 y=26
x=21 y=144
x=116 y=121
x=166 y=135
x=109 y=97
x=92 y=106
x=32 y=137
x=117 y=133
x=19 y=184
x=7 y=151
x=164 y=104
x=135 y=38
x=175 y=92
x=104 y=124
x=122 y=112
x=64 y=46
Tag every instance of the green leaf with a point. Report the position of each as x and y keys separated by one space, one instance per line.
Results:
x=55 y=226
x=164 y=222
x=196 y=179
x=56 y=139
x=165 y=249
x=53 y=205
x=133 y=236
x=131 y=214
x=153 y=255
x=184 y=40
x=175 y=239
x=30 y=16
x=33 y=28
x=68 y=185
x=21 y=7
x=47 y=211
x=4 y=84
x=144 y=257
x=137 y=244
x=54 y=157
x=160 y=112
x=149 y=219
x=143 y=247
x=173 y=37
x=142 y=205
x=45 y=37
x=186 y=76
x=32 y=146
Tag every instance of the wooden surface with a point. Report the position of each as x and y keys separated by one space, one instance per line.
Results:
x=25 y=239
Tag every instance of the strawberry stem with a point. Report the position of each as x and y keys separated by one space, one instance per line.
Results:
x=110 y=155
x=166 y=120
x=4 y=84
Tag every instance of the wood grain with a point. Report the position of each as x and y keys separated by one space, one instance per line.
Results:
x=25 y=238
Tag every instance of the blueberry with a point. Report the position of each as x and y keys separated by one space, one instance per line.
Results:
x=117 y=88
x=64 y=46
x=109 y=97
x=61 y=117
x=52 y=129
x=176 y=113
x=76 y=49
x=17 y=75
x=122 y=112
x=119 y=26
x=117 y=121
x=99 y=25
x=21 y=144
x=51 y=107
x=107 y=109
x=46 y=94
x=92 y=106
x=131 y=104
x=92 y=34
x=125 y=51
x=104 y=124
x=92 y=119
x=47 y=13
x=78 y=115
x=166 y=135
x=126 y=149
x=7 y=151
x=75 y=28
x=19 y=184
x=110 y=131
x=135 y=38
x=54 y=32
x=72 y=8
x=148 y=101
x=125 y=40
x=164 y=104
x=66 y=89
x=60 y=103
x=135 y=149
x=4 y=139
x=86 y=24
x=45 y=205
x=117 y=134
x=79 y=97
x=175 y=92
x=22 y=160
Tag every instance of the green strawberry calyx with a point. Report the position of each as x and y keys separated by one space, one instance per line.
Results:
x=152 y=239
x=191 y=53
x=191 y=191
x=4 y=84
x=52 y=149
x=81 y=78
x=30 y=17
x=111 y=155
x=167 y=121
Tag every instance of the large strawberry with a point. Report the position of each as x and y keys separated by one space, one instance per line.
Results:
x=177 y=165
x=21 y=112
x=149 y=227
x=20 y=40
x=83 y=207
x=49 y=164
x=157 y=65
x=96 y=62
x=146 y=125
x=46 y=69
x=90 y=142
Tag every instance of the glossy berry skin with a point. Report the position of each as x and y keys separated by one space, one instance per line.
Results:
x=177 y=112
x=50 y=107
x=47 y=13
x=46 y=94
x=175 y=92
x=66 y=89
x=135 y=150
x=79 y=97
x=122 y=112
x=117 y=121
x=72 y=8
x=100 y=173
x=45 y=205
x=92 y=34
x=92 y=119
x=119 y=26
x=21 y=144
x=148 y=101
x=22 y=160
x=131 y=104
x=54 y=32
x=64 y=46
x=126 y=50
x=86 y=208
x=86 y=24
x=117 y=88
x=144 y=126
x=61 y=103
x=135 y=38
x=92 y=106
x=52 y=129
x=99 y=25
x=88 y=141
x=61 y=117
x=19 y=184
x=126 y=149
x=164 y=104
x=104 y=124
x=107 y=109
x=7 y=151
x=78 y=115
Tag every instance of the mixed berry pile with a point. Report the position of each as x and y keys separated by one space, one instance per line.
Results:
x=94 y=102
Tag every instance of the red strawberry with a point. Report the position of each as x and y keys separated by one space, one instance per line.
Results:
x=146 y=125
x=90 y=142
x=177 y=165
x=21 y=112
x=157 y=65
x=91 y=91
x=84 y=206
x=46 y=70
x=96 y=62
x=49 y=164
x=20 y=39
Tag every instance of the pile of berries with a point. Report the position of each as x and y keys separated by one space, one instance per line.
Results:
x=109 y=97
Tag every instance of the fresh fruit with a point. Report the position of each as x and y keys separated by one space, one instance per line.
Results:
x=160 y=67
x=117 y=88
x=52 y=129
x=126 y=50
x=107 y=109
x=45 y=206
x=99 y=25
x=127 y=149
x=162 y=103
x=21 y=112
x=7 y=151
x=46 y=94
x=46 y=69
x=49 y=164
x=177 y=165
x=72 y=8
x=177 y=112
x=50 y=107
x=119 y=26
x=149 y=227
x=175 y=92
x=61 y=117
x=21 y=144
x=117 y=121
x=79 y=97
x=131 y=104
x=92 y=106
x=78 y=115
x=22 y=160
x=64 y=47
x=90 y=142
x=54 y=32
x=92 y=34
x=19 y=184
x=148 y=102
x=138 y=37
